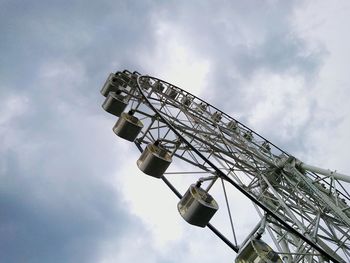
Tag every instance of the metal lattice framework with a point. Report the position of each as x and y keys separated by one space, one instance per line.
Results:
x=302 y=208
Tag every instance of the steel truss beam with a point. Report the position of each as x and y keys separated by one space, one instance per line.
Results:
x=306 y=213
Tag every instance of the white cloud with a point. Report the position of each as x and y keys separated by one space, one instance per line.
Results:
x=11 y=107
x=250 y=56
x=174 y=60
x=281 y=100
x=324 y=23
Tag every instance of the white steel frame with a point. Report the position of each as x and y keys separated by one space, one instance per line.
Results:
x=304 y=208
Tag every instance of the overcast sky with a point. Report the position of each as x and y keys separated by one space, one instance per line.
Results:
x=70 y=190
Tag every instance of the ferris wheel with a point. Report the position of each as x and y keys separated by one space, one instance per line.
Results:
x=302 y=211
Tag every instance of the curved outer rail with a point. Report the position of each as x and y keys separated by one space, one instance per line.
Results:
x=238 y=187
x=282 y=186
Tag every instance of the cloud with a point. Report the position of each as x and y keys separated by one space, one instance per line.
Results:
x=55 y=205
x=243 y=41
x=181 y=65
x=328 y=131
x=70 y=190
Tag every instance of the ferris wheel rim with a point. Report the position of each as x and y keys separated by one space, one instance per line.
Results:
x=217 y=170
x=345 y=195
x=217 y=109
